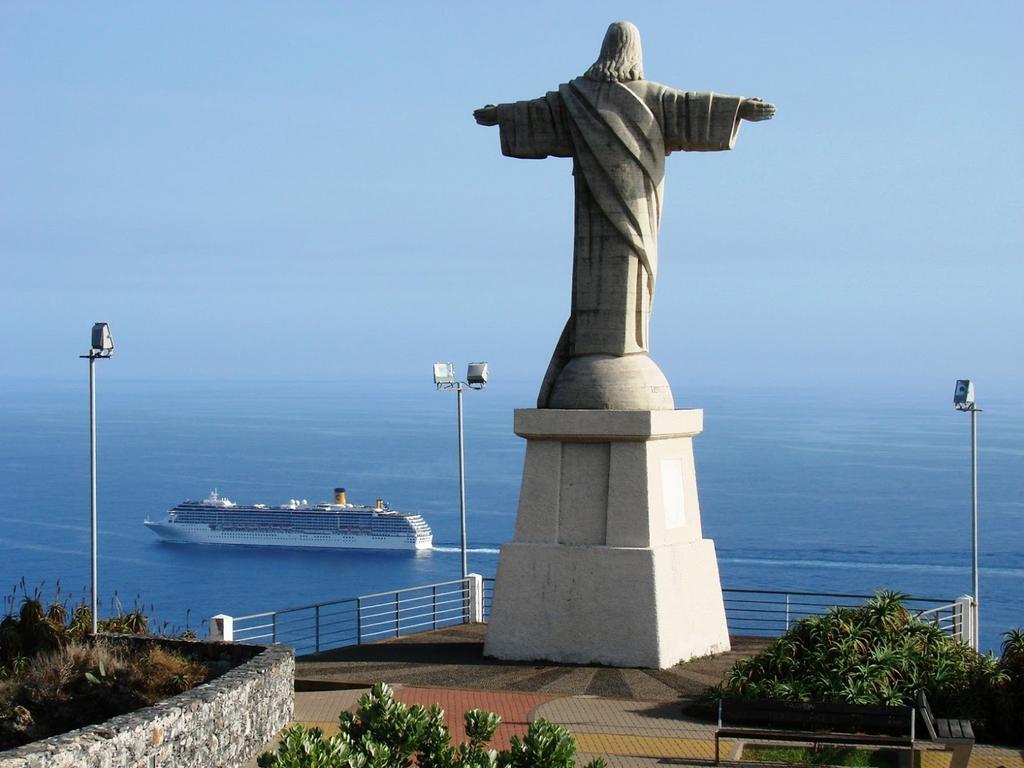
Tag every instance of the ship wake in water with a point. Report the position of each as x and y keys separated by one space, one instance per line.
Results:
x=477 y=550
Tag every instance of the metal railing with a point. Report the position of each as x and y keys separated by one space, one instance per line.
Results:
x=771 y=613
x=956 y=618
x=355 y=620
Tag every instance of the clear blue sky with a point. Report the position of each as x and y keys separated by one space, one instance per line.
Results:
x=299 y=190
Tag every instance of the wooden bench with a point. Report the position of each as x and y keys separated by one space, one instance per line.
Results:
x=956 y=735
x=815 y=723
x=848 y=724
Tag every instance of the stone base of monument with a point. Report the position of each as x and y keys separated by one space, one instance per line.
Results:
x=608 y=564
x=607 y=605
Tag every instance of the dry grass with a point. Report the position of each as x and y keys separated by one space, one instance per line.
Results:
x=50 y=676
x=162 y=673
x=77 y=685
x=54 y=677
x=80 y=684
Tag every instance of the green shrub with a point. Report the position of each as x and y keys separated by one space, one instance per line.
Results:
x=385 y=733
x=879 y=653
x=1009 y=704
x=824 y=755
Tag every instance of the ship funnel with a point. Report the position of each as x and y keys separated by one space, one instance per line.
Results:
x=339 y=496
x=380 y=505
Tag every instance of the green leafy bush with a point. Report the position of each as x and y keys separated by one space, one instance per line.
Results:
x=879 y=653
x=385 y=733
x=1009 y=704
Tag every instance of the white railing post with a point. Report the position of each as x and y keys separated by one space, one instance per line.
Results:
x=222 y=628
x=475 y=612
x=359 y=621
x=963 y=628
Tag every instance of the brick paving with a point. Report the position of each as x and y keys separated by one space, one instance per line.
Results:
x=515 y=709
x=321 y=708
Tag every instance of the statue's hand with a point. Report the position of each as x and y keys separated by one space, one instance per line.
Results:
x=756 y=110
x=486 y=115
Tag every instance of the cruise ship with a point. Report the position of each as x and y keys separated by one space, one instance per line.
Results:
x=217 y=520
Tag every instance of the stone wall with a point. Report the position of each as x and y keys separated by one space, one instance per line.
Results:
x=220 y=724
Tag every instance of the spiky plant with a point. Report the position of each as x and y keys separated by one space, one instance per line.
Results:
x=879 y=653
x=1013 y=651
x=1011 y=702
x=80 y=625
x=38 y=633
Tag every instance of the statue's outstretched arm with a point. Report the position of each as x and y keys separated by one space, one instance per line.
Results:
x=486 y=115
x=756 y=110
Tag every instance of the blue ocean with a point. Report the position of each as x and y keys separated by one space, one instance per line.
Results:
x=818 y=490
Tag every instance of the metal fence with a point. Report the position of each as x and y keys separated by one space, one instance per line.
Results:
x=771 y=613
x=956 y=619
x=355 y=620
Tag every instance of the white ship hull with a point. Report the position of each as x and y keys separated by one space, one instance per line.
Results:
x=184 y=533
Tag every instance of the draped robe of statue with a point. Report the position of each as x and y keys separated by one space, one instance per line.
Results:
x=618 y=134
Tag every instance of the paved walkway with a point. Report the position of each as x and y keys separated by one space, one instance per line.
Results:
x=627 y=733
x=630 y=717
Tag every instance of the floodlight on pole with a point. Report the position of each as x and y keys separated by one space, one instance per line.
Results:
x=444 y=374
x=476 y=378
x=476 y=375
x=963 y=400
x=102 y=348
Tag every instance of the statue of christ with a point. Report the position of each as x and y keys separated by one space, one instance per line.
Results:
x=617 y=128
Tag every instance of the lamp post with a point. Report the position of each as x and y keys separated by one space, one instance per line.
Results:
x=102 y=348
x=963 y=400
x=476 y=378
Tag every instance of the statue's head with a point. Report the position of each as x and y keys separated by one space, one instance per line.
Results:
x=621 y=58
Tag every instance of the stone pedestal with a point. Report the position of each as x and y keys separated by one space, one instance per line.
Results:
x=608 y=564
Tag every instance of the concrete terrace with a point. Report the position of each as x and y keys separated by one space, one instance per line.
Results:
x=630 y=717
x=453 y=658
